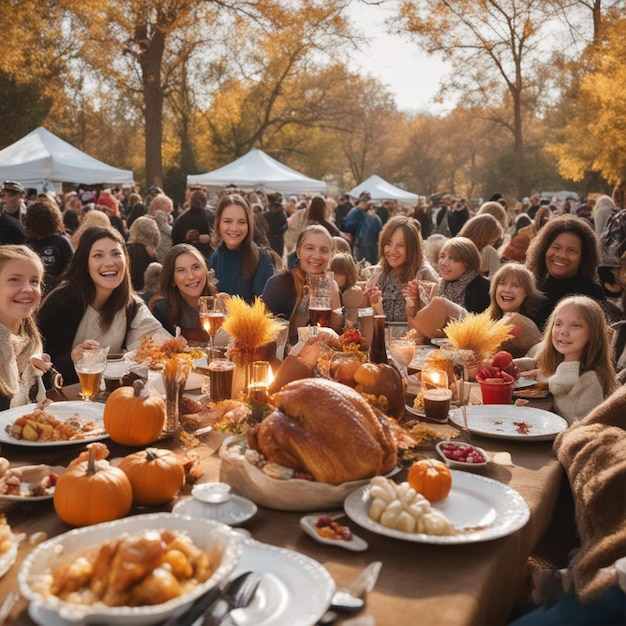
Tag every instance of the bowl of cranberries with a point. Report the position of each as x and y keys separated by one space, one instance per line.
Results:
x=462 y=455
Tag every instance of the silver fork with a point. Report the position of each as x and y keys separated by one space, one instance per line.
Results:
x=237 y=597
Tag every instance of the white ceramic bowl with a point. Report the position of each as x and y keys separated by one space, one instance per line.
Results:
x=204 y=533
x=458 y=464
x=214 y=501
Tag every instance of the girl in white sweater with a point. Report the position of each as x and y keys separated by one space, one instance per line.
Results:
x=575 y=358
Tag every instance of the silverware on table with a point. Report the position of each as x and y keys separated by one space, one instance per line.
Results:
x=198 y=609
x=237 y=596
x=351 y=597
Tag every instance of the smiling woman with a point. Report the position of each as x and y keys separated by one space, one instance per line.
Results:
x=95 y=304
x=564 y=258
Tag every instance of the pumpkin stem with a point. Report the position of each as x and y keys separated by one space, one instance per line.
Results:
x=91 y=460
x=151 y=454
x=139 y=389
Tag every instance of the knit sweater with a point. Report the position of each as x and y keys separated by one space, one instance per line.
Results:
x=229 y=273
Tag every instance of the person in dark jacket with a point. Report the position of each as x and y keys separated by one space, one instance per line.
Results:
x=142 y=246
x=276 y=219
x=46 y=236
x=194 y=226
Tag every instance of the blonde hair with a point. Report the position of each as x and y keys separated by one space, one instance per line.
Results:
x=340 y=245
x=597 y=355
x=497 y=210
x=526 y=280
x=95 y=217
x=144 y=231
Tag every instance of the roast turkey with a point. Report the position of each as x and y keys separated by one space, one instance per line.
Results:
x=326 y=429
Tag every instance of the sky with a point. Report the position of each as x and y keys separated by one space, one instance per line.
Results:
x=412 y=77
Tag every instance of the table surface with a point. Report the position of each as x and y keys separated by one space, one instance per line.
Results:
x=434 y=584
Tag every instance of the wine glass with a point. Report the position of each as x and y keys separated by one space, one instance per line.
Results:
x=90 y=368
x=212 y=313
x=402 y=352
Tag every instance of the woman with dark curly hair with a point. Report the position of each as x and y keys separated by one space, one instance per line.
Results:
x=564 y=257
x=45 y=230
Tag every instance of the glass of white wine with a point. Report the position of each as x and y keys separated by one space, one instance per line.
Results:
x=211 y=311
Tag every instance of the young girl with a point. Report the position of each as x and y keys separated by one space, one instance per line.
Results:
x=344 y=269
x=21 y=366
x=514 y=296
x=241 y=267
x=575 y=358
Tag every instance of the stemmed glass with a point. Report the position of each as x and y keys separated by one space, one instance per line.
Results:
x=402 y=352
x=212 y=313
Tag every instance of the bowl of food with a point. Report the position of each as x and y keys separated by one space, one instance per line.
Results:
x=460 y=455
x=84 y=575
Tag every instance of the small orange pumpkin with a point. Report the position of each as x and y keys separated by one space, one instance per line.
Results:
x=134 y=416
x=430 y=478
x=156 y=475
x=92 y=491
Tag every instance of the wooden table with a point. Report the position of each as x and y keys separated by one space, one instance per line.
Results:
x=419 y=583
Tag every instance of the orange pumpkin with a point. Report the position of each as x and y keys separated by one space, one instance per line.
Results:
x=92 y=491
x=156 y=475
x=134 y=416
x=430 y=478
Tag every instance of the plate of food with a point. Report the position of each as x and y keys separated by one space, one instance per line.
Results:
x=532 y=393
x=326 y=529
x=29 y=483
x=59 y=424
x=206 y=552
x=8 y=547
x=461 y=455
x=154 y=354
x=477 y=508
x=507 y=421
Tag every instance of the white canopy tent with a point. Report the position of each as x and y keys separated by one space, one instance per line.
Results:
x=380 y=189
x=257 y=170
x=42 y=158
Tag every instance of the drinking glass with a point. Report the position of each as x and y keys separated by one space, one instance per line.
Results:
x=319 y=298
x=436 y=394
x=402 y=351
x=90 y=368
x=211 y=311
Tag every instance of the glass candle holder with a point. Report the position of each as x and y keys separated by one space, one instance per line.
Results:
x=175 y=375
x=259 y=382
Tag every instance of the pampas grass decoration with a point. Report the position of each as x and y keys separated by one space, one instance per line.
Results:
x=479 y=333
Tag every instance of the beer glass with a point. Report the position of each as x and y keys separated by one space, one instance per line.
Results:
x=90 y=368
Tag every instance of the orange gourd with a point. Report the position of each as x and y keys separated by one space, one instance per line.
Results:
x=134 y=416
x=430 y=478
x=156 y=475
x=92 y=491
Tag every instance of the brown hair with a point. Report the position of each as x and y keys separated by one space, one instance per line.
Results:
x=43 y=219
x=464 y=250
x=343 y=263
x=482 y=229
x=248 y=250
x=413 y=244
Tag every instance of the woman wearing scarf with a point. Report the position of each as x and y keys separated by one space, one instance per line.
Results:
x=461 y=289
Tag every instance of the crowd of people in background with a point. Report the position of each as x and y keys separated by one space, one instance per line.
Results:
x=99 y=266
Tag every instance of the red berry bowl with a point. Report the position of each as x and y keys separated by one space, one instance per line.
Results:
x=461 y=455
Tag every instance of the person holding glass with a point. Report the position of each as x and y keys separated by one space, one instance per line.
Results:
x=183 y=281
x=22 y=363
x=95 y=305
x=241 y=267
x=401 y=254
x=286 y=294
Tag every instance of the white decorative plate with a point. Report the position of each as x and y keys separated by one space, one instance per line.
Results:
x=31 y=477
x=308 y=524
x=62 y=410
x=295 y=590
x=235 y=510
x=507 y=421
x=50 y=610
x=480 y=508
